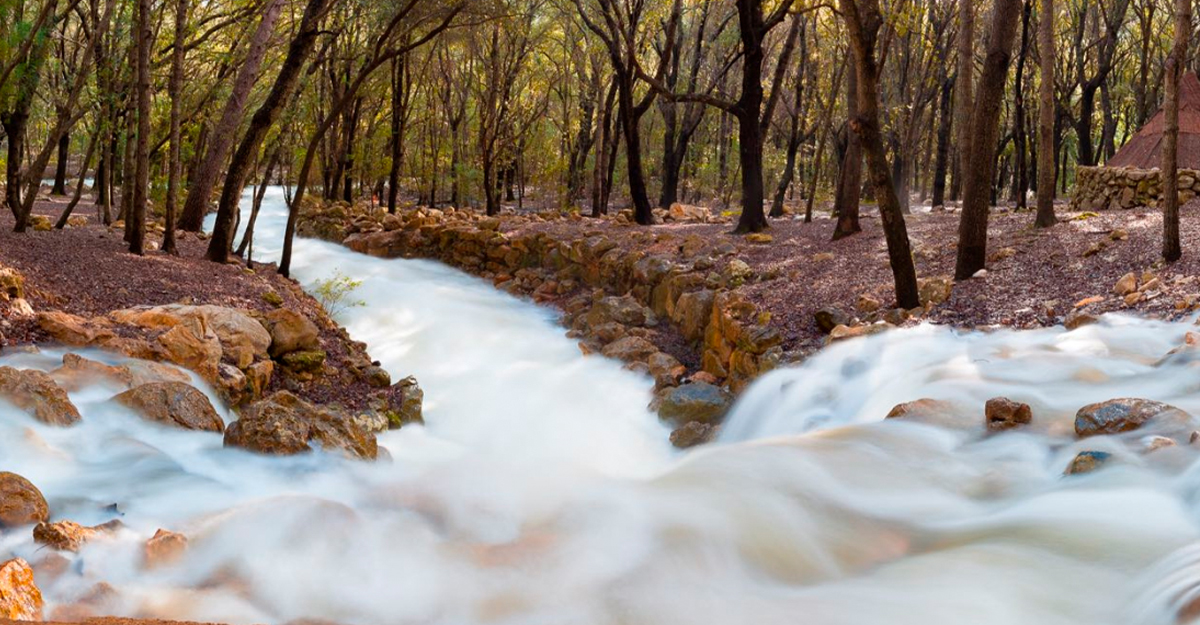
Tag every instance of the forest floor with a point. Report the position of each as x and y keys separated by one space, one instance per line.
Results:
x=86 y=270
x=1034 y=277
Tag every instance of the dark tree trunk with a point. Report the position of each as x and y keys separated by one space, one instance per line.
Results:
x=200 y=188
x=863 y=26
x=136 y=220
x=235 y=180
x=849 y=183
x=1171 y=249
x=977 y=181
x=942 y=158
x=1046 y=131
x=60 y=167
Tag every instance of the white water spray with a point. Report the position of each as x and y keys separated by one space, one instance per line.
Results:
x=543 y=491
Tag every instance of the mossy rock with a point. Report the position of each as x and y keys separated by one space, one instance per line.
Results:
x=273 y=298
x=304 y=361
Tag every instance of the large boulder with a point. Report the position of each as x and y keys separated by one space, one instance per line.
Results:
x=78 y=372
x=164 y=548
x=695 y=401
x=21 y=503
x=36 y=393
x=284 y=424
x=1126 y=414
x=20 y=599
x=291 y=332
x=173 y=403
x=240 y=336
x=72 y=330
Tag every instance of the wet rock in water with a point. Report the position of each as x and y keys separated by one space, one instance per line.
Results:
x=1155 y=443
x=291 y=332
x=173 y=403
x=400 y=404
x=1123 y=415
x=1077 y=320
x=926 y=410
x=841 y=333
x=695 y=402
x=1087 y=461
x=831 y=317
x=284 y=424
x=1003 y=413
x=21 y=503
x=693 y=434
x=69 y=535
x=36 y=393
x=164 y=548
x=630 y=349
x=20 y=599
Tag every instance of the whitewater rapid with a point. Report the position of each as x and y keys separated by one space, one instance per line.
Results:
x=542 y=490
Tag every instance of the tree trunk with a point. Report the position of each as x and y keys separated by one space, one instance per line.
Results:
x=977 y=179
x=964 y=99
x=1171 y=249
x=863 y=27
x=849 y=184
x=136 y=224
x=175 y=91
x=60 y=167
x=235 y=179
x=200 y=188
x=941 y=160
x=1046 y=168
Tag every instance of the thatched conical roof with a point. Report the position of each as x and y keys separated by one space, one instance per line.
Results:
x=1144 y=150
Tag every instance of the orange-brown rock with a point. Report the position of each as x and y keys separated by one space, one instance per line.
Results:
x=36 y=393
x=173 y=403
x=164 y=548
x=284 y=424
x=69 y=535
x=20 y=599
x=1002 y=413
x=70 y=329
x=291 y=332
x=21 y=503
x=78 y=372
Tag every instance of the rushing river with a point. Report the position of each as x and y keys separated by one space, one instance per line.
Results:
x=542 y=491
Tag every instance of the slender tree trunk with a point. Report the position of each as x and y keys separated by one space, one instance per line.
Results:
x=964 y=99
x=60 y=167
x=977 y=181
x=942 y=158
x=175 y=89
x=863 y=20
x=849 y=184
x=137 y=212
x=235 y=179
x=1046 y=169
x=1171 y=249
x=87 y=162
x=200 y=188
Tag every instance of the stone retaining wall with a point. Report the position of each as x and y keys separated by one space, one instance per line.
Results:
x=696 y=294
x=1102 y=188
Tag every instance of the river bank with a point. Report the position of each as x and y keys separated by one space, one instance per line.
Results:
x=725 y=309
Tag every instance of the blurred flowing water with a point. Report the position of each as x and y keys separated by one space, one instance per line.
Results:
x=543 y=491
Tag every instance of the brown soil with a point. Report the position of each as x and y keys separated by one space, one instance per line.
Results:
x=88 y=271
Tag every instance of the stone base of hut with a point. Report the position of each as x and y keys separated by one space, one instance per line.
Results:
x=1112 y=188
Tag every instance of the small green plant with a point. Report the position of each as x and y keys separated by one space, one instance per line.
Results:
x=334 y=293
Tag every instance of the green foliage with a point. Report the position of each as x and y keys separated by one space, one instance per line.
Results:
x=335 y=293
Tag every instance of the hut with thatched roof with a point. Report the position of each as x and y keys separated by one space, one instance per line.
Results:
x=1130 y=178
